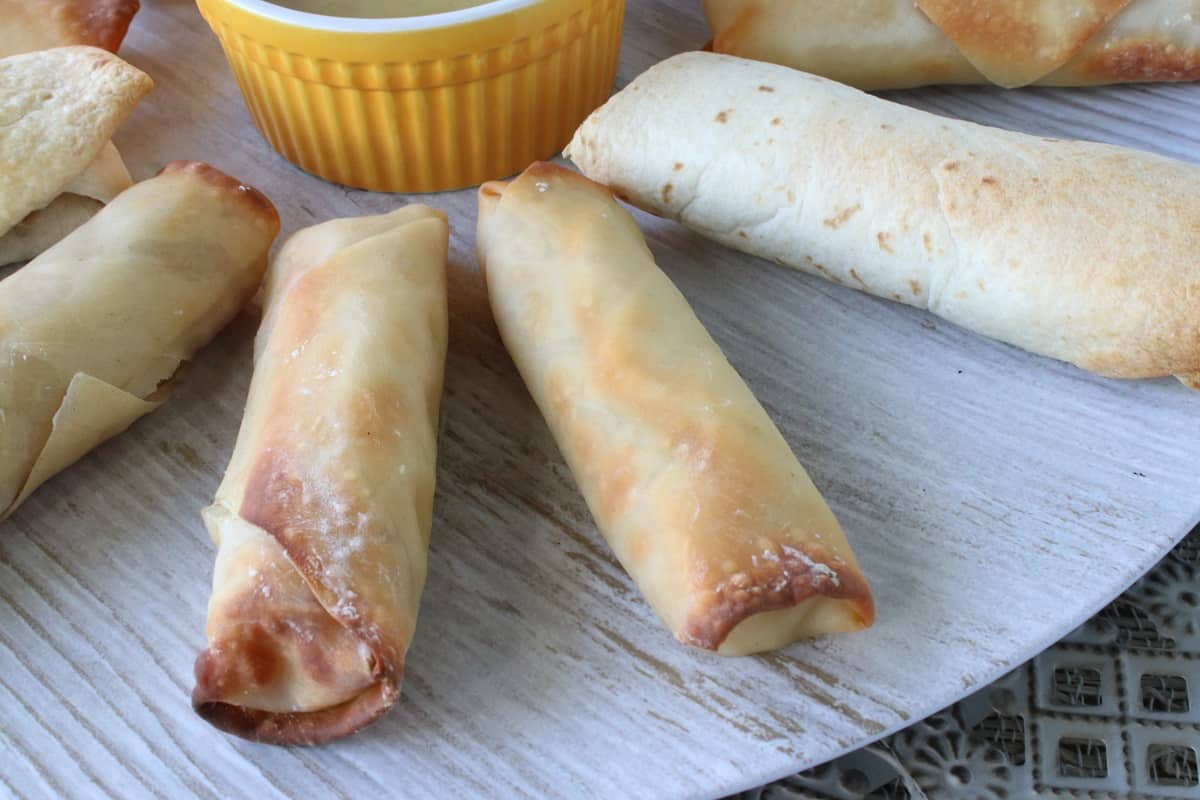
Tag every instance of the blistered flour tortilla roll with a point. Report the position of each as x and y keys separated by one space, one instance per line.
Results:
x=892 y=44
x=92 y=329
x=322 y=521
x=1083 y=252
x=688 y=479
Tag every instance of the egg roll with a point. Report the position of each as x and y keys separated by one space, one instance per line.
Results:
x=1078 y=251
x=58 y=111
x=893 y=44
x=689 y=481
x=322 y=521
x=92 y=330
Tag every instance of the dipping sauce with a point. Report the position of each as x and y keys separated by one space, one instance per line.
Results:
x=377 y=9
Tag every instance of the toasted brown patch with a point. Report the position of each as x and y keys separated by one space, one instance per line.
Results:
x=854 y=274
x=1146 y=60
x=255 y=201
x=742 y=235
x=988 y=181
x=678 y=166
x=723 y=116
x=786 y=581
x=927 y=241
x=886 y=127
x=766 y=88
x=99 y=23
x=842 y=216
x=884 y=240
x=776 y=121
x=951 y=166
x=666 y=193
x=914 y=287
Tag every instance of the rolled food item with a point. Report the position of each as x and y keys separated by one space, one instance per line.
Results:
x=1079 y=251
x=322 y=521
x=81 y=198
x=688 y=479
x=93 y=329
x=892 y=44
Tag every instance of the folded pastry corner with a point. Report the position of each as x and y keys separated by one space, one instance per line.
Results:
x=689 y=481
x=322 y=521
x=62 y=107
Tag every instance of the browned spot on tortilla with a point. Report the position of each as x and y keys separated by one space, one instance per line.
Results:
x=1143 y=60
x=951 y=166
x=842 y=216
x=896 y=296
x=666 y=193
x=988 y=181
x=914 y=287
x=776 y=120
x=979 y=283
x=885 y=127
x=742 y=235
x=723 y=116
x=791 y=196
x=854 y=274
x=678 y=166
x=927 y=242
x=766 y=88
x=884 y=240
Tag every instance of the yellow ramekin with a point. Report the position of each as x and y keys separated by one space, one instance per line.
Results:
x=420 y=104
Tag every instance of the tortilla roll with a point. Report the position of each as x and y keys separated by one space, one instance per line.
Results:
x=93 y=329
x=688 y=479
x=894 y=44
x=322 y=521
x=1079 y=251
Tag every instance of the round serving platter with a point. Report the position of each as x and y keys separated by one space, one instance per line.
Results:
x=994 y=498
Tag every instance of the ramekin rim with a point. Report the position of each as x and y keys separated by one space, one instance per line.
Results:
x=304 y=19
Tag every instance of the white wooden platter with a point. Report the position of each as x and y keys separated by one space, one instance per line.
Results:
x=995 y=499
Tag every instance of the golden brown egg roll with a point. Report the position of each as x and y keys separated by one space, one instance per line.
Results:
x=1079 y=251
x=91 y=330
x=892 y=44
x=28 y=25
x=688 y=479
x=322 y=521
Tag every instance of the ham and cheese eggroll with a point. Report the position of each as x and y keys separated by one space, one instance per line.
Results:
x=91 y=330
x=1079 y=251
x=688 y=479
x=322 y=521
x=892 y=44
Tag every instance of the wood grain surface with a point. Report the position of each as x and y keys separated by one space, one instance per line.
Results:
x=995 y=499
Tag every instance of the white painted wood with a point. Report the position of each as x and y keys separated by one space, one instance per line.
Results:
x=996 y=499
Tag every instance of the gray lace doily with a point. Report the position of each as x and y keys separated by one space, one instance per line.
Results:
x=1113 y=710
